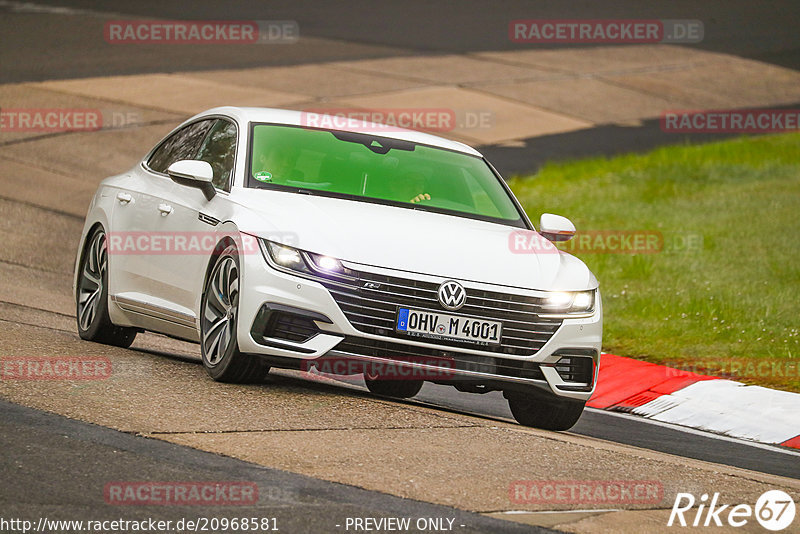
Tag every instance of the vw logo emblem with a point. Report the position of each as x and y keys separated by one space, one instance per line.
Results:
x=452 y=295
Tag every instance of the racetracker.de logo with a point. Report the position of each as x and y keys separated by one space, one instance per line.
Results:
x=589 y=242
x=731 y=121
x=177 y=243
x=50 y=119
x=628 y=31
x=55 y=368
x=181 y=493
x=201 y=32
x=598 y=492
x=412 y=368
x=380 y=120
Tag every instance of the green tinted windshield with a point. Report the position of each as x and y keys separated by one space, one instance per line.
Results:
x=369 y=167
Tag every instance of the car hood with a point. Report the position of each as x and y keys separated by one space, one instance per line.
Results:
x=410 y=240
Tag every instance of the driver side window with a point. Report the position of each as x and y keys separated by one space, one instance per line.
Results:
x=219 y=150
x=183 y=144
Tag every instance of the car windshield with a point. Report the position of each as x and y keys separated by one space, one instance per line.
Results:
x=378 y=169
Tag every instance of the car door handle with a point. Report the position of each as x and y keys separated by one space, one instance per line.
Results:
x=124 y=198
x=165 y=209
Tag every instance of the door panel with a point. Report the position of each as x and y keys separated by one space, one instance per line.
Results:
x=127 y=270
x=177 y=273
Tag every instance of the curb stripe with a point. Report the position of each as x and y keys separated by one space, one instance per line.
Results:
x=794 y=443
x=698 y=401
x=626 y=383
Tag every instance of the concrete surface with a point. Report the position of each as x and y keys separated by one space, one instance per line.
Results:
x=523 y=93
x=322 y=81
x=173 y=92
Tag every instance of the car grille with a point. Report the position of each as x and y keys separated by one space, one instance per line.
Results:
x=373 y=310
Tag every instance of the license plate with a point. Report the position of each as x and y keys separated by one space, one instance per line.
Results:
x=444 y=326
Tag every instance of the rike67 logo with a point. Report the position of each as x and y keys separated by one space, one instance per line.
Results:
x=774 y=510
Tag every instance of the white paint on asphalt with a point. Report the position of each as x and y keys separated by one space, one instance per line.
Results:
x=34 y=8
x=30 y=7
x=730 y=408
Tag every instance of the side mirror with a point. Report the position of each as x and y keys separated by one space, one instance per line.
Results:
x=193 y=173
x=556 y=228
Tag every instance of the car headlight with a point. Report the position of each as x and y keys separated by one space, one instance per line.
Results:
x=286 y=257
x=325 y=264
x=568 y=303
x=300 y=261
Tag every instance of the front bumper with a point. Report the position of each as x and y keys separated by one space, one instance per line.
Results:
x=343 y=334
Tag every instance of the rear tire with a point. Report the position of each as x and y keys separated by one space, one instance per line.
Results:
x=91 y=297
x=219 y=313
x=545 y=412
x=400 y=389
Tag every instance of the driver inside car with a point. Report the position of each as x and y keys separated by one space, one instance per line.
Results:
x=411 y=187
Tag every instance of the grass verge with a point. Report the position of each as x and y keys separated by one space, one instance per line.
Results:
x=721 y=294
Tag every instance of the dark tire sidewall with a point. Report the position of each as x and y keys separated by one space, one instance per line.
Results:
x=401 y=389
x=545 y=411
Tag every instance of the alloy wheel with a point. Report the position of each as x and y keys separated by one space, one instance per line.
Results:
x=219 y=312
x=93 y=274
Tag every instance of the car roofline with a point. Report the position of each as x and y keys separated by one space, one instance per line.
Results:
x=300 y=118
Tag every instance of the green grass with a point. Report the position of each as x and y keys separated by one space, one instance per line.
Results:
x=732 y=297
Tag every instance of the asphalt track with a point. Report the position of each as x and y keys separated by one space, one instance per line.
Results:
x=80 y=459
x=634 y=431
x=63 y=48
x=39 y=44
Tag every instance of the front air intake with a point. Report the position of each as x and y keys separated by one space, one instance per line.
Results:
x=577 y=367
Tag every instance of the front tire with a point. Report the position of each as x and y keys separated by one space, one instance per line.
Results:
x=399 y=389
x=91 y=297
x=218 y=325
x=548 y=413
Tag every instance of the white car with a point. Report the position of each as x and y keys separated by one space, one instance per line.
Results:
x=360 y=249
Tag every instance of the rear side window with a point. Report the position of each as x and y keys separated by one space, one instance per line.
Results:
x=183 y=144
x=219 y=149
